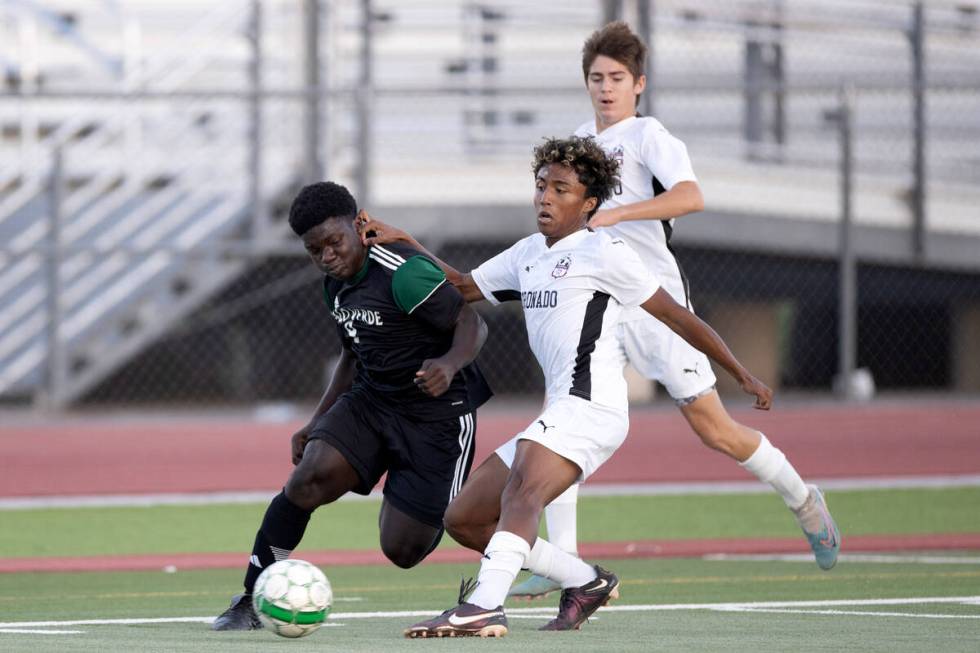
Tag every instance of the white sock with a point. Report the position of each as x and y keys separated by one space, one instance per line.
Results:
x=561 y=517
x=549 y=561
x=503 y=558
x=770 y=466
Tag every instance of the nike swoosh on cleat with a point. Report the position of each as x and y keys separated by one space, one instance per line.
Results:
x=829 y=541
x=603 y=583
x=464 y=621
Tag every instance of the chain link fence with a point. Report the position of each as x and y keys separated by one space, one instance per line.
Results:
x=269 y=337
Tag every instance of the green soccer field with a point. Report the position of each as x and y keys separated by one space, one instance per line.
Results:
x=664 y=607
x=894 y=602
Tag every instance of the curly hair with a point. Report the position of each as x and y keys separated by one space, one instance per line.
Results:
x=597 y=171
x=617 y=41
x=319 y=202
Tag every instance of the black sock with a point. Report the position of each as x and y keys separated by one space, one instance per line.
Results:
x=282 y=529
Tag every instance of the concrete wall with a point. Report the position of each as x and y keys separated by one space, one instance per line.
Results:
x=751 y=330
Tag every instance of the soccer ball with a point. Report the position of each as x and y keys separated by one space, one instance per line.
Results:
x=292 y=598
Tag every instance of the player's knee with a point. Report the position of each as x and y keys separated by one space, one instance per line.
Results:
x=406 y=551
x=723 y=438
x=402 y=555
x=523 y=496
x=299 y=492
x=455 y=521
x=401 y=558
x=462 y=526
x=307 y=491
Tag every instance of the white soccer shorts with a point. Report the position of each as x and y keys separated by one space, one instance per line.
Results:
x=661 y=355
x=579 y=430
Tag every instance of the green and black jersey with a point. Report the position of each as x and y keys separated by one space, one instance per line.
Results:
x=396 y=312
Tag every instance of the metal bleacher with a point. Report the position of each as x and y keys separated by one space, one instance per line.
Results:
x=142 y=186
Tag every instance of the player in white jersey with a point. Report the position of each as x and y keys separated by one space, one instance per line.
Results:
x=657 y=185
x=573 y=284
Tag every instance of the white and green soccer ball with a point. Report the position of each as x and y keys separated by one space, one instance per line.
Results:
x=292 y=598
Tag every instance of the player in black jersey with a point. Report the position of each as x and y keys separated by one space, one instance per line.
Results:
x=402 y=399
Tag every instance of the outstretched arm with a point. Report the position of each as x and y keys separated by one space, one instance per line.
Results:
x=683 y=198
x=694 y=330
x=375 y=232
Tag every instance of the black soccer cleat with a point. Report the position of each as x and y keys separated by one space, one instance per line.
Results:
x=465 y=620
x=578 y=603
x=240 y=616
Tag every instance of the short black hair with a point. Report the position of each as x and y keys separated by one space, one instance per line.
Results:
x=598 y=171
x=319 y=202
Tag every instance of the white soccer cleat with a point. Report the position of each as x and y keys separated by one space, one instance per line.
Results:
x=534 y=587
x=820 y=528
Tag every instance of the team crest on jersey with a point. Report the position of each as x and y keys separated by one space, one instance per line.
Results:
x=561 y=269
x=619 y=154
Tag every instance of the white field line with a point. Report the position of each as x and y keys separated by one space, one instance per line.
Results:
x=107 y=622
x=758 y=606
x=136 y=500
x=597 y=490
x=847 y=557
x=863 y=613
x=27 y=631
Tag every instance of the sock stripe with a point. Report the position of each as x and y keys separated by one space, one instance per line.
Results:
x=280 y=554
x=283 y=526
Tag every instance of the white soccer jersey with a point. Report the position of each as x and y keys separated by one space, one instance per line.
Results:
x=651 y=161
x=573 y=294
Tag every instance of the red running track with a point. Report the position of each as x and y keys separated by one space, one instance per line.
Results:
x=79 y=456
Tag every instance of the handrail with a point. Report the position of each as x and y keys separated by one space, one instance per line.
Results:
x=99 y=186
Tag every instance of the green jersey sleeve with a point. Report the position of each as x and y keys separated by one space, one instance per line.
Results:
x=415 y=281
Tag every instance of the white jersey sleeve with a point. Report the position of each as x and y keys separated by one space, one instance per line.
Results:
x=497 y=278
x=624 y=276
x=665 y=155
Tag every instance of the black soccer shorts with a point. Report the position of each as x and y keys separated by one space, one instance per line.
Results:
x=426 y=462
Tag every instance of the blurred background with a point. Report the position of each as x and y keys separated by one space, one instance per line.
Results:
x=149 y=151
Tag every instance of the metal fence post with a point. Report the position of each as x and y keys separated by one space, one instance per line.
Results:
x=313 y=169
x=56 y=369
x=611 y=10
x=778 y=75
x=645 y=10
x=847 y=263
x=764 y=83
x=754 y=79
x=255 y=195
x=917 y=38
x=364 y=96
